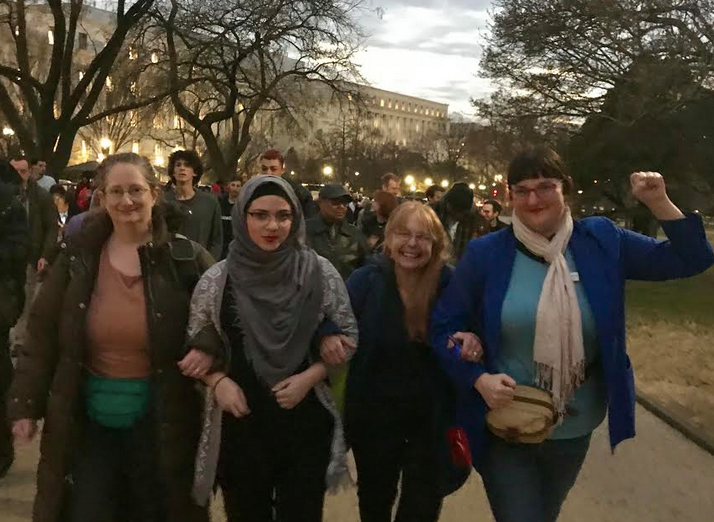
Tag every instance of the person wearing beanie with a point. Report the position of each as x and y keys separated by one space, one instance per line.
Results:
x=460 y=219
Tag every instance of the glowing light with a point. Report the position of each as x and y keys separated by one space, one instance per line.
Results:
x=328 y=171
x=356 y=174
x=428 y=182
x=445 y=183
x=409 y=180
x=472 y=186
x=159 y=161
x=292 y=172
x=105 y=143
x=580 y=191
x=413 y=188
x=482 y=187
x=498 y=178
x=100 y=157
x=7 y=131
x=135 y=147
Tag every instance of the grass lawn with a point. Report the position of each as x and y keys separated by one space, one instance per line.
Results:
x=671 y=342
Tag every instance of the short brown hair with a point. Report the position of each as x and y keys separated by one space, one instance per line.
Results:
x=273 y=154
x=390 y=176
x=539 y=162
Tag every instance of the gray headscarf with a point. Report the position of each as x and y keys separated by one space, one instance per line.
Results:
x=278 y=294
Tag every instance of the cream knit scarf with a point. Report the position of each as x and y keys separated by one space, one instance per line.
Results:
x=558 y=350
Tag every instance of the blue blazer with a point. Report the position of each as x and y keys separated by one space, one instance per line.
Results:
x=605 y=256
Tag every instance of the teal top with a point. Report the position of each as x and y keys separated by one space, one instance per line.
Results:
x=589 y=404
x=116 y=403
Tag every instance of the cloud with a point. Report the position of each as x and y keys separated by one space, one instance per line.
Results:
x=430 y=49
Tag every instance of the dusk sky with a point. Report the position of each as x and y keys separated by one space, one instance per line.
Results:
x=427 y=48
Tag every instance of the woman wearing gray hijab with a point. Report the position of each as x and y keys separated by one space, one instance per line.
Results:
x=273 y=437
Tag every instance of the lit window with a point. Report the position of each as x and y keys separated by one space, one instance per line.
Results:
x=109 y=83
x=84 y=149
x=396 y=106
x=376 y=124
x=381 y=103
x=51 y=36
x=389 y=104
x=81 y=75
x=135 y=147
x=133 y=87
x=17 y=31
x=154 y=58
x=349 y=96
x=157 y=122
x=133 y=55
x=177 y=122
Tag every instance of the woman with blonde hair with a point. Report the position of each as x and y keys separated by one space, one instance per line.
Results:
x=395 y=387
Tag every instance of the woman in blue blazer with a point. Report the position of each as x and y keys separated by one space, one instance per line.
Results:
x=547 y=295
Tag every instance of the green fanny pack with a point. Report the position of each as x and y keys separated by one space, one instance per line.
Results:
x=117 y=403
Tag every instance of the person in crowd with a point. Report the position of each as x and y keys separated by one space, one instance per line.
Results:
x=332 y=237
x=383 y=204
x=434 y=194
x=204 y=224
x=273 y=435
x=65 y=207
x=272 y=163
x=43 y=229
x=228 y=200
x=396 y=390
x=549 y=296
x=83 y=192
x=103 y=363
x=39 y=174
x=491 y=210
x=392 y=183
x=459 y=217
x=13 y=262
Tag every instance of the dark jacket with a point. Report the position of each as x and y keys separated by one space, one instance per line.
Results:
x=227 y=222
x=349 y=250
x=43 y=222
x=204 y=224
x=605 y=256
x=368 y=289
x=13 y=255
x=309 y=207
x=500 y=225
x=51 y=371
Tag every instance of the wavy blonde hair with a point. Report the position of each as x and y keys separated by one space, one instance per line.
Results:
x=418 y=297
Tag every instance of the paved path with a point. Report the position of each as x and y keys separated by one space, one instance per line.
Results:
x=658 y=477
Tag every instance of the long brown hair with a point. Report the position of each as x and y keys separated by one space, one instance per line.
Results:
x=418 y=297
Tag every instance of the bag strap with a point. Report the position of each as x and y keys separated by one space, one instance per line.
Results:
x=185 y=257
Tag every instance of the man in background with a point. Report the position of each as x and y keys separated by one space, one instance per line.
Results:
x=272 y=163
x=434 y=194
x=491 y=210
x=39 y=174
x=228 y=200
x=332 y=237
x=43 y=229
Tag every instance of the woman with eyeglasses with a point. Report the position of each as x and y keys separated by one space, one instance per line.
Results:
x=104 y=362
x=397 y=397
x=548 y=294
x=273 y=436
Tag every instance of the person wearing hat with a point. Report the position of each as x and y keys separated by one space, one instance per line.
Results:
x=331 y=236
x=204 y=224
x=461 y=221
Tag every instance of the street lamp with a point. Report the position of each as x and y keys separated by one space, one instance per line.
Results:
x=472 y=186
x=498 y=178
x=292 y=172
x=409 y=180
x=327 y=171
x=414 y=188
x=445 y=183
x=357 y=174
x=482 y=187
x=7 y=131
x=105 y=143
x=428 y=182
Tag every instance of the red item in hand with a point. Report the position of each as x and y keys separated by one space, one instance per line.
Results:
x=459 y=447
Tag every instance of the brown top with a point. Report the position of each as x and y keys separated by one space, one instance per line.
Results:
x=117 y=331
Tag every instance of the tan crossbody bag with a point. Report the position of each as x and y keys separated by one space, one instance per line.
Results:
x=529 y=419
